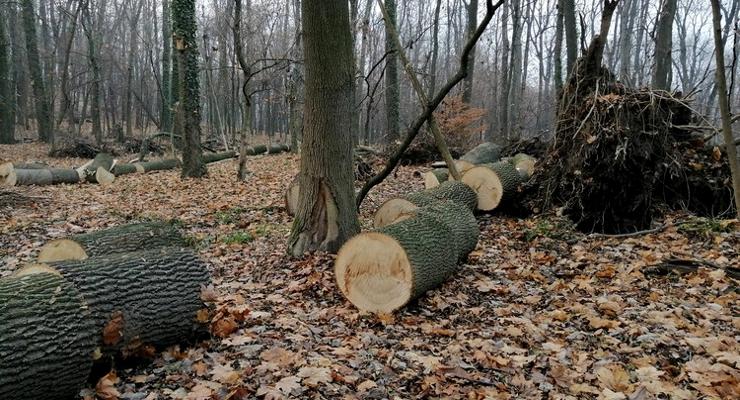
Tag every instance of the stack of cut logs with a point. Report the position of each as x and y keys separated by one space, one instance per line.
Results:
x=420 y=238
x=104 y=169
x=93 y=297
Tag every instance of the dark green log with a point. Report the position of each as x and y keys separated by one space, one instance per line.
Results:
x=41 y=177
x=458 y=219
x=47 y=338
x=259 y=149
x=213 y=157
x=484 y=153
x=118 y=239
x=33 y=165
x=160 y=165
x=124 y=169
x=278 y=148
x=148 y=297
x=450 y=190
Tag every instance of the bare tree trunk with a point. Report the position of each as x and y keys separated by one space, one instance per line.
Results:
x=558 y=52
x=184 y=28
x=664 y=46
x=724 y=104
x=326 y=215
x=435 y=49
x=392 y=89
x=505 y=77
x=133 y=50
x=571 y=35
x=515 y=69
x=91 y=32
x=41 y=99
x=67 y=108
x=629 y=11
x=6 y=115
x=472 y=10
x=166 y=112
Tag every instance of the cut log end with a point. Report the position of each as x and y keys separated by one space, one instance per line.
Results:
x=391 y=211
x=38 y=268
x=487 y=185
x=8 y=176
x=103 y=177
x=374 y=273
x=435 y=177
x=61 y=250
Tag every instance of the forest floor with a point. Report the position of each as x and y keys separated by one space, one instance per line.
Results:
x=538 y=311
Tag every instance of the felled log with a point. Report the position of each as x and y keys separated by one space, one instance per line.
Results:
x=435 y=177
x=494 y=183
x=119 y=239
x=382 y=270
x=147 y=166
x=291 y=196
x=524 y=164
x=484 y=153
x=47 y=338
x=390 y=211
x=139 y=298
x=257 y=150
x=10 y=176
x=98 y=170
x=278 y=148
x=213 y=157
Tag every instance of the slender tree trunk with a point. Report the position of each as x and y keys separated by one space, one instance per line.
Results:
x=184 y=28
x=92 y=55
x=166 y=114
x=67 y=109
x=295 y=79
x=515 y=69
x=664 y=46
x=571 y=35
x=19 y=84
x=41 y=99
x=6 y=115
x=505 y=77
x=326 y=215
x=724 y=103
x=558 y=51
x=133 y=50
x=472 y=10
x=629 y=9
x=392 y=88
x=435 y=50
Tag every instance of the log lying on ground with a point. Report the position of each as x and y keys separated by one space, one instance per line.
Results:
x=435 y=177
x=524 y=164
x=393 y=209
x=495 y=184
x=137 y=299
x=383 y=270
x=119 y=239
x=257 y=150
x=148 y=166
x=278 y=148
x=484 y=153
x=47 y=338
x=10 y=176
x=213 y=157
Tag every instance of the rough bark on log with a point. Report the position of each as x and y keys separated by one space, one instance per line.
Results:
x=383 y=270
x=140 y=298
x=148 y=166
x=391 y=210
x=118 y=239
x=495 y=184
x=47 y=338
x=484 y=153
x=213 y=157
x=9 y=176
x=278 y=148
x=259 y=149
x=456 y=217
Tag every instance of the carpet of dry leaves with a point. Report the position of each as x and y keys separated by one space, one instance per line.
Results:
x=535 y=313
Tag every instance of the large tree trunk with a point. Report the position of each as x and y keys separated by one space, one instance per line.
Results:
x=571 y=35
x=326 y=216
x=47 y=338
x=383 y=270
x=166 y=107
x=392 y=88
x=92 y=53
x=119 y=239
x=664 y=46
x=11 y=176
x=138 y=299
x=184 y=29
x=40 y=96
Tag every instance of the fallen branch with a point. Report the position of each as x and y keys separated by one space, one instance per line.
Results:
x=429 y=108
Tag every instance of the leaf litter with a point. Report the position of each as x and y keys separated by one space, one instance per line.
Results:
x=533 y=314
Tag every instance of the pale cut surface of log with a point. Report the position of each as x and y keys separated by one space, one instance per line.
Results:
x=118 y=239
x=524 y=164
x=484 y=153
x=382 y=271
x=435 y=177
x=493 y=183
x=390 y=211
x=461 y=165
x=47 y=338
x=140 y=298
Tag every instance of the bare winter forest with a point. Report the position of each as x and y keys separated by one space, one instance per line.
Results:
x=369 y=199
